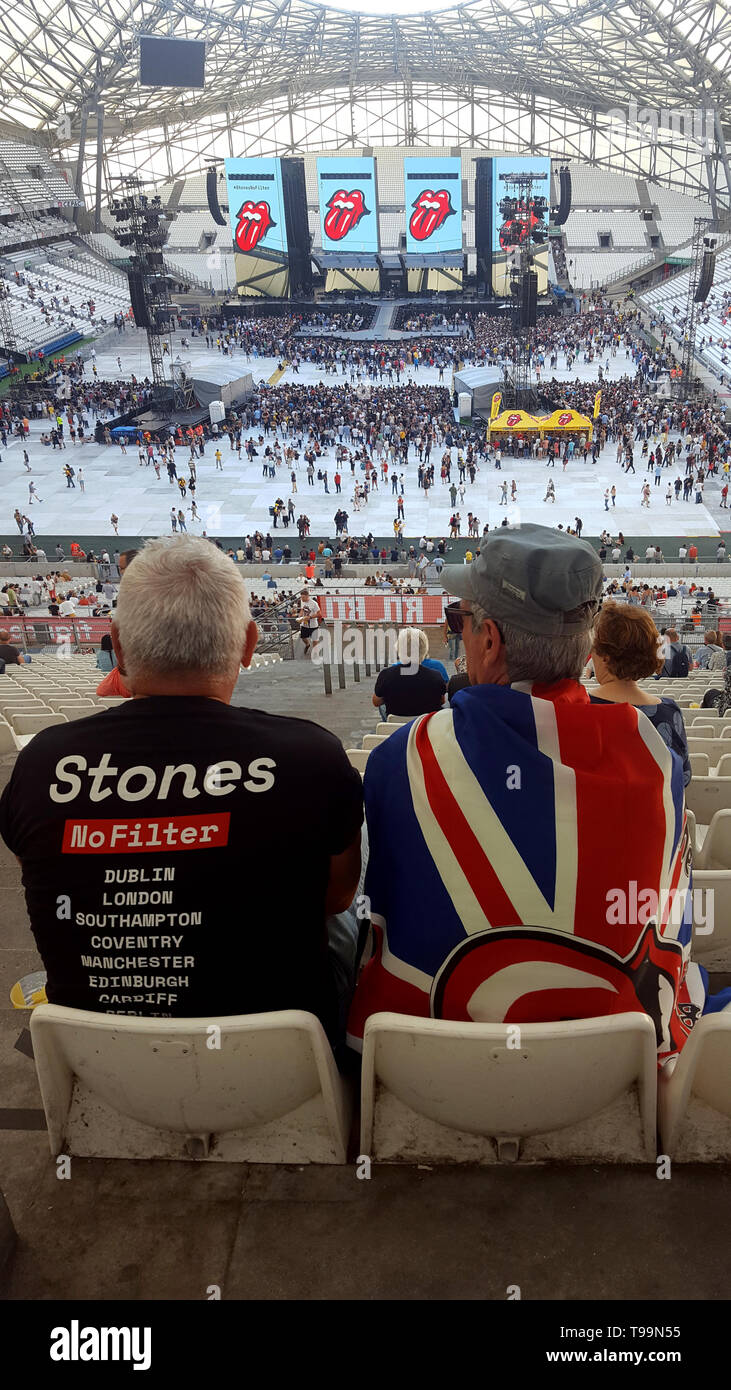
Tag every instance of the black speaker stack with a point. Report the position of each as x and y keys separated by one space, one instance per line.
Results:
x=528 y=301
x=137 y=299
x=212 y=196
x=708 y=270
x=560 y=214
x=294 y=190
x=483 y=223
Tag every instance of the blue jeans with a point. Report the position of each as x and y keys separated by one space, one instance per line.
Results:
x=346 y=934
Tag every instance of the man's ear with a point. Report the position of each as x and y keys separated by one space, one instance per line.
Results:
x=250 y=641
x=117 y=648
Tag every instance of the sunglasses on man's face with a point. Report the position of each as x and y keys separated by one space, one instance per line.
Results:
x=455 y=617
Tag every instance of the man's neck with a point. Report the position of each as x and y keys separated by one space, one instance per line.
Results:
x=181 y=689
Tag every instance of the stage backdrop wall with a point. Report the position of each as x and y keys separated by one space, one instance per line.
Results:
x=348 y=199
x=433 y=189
x=258 y=226
x=503 y=243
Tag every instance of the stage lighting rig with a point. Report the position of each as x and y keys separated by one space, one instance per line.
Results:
x=149 y=287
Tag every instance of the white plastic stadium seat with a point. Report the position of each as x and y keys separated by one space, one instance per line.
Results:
x=706 y=795
x=691 y=832
x=723 y=766
x=358 y=757
x=712 y=918
x=712 y=746
x=438 y=1091
x=715 y=852
x=373 y=740
x=7 y=742
x=699 y=764
x=694 y=1102
x=33 y=723
x=384 y=730
x=154 y=1087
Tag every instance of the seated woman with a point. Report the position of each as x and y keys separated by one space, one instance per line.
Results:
x=627 y=649
x=409 y=687
x=113 y=683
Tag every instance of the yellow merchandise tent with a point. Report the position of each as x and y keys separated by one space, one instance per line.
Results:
x=514 y=422
x=566 y=421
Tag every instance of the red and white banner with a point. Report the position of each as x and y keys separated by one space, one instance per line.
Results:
x=35 y=632
x=411 y=611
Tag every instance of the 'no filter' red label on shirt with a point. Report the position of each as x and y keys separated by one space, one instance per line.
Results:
x=159 y=835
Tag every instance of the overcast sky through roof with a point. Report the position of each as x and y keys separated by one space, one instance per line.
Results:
x=388 y=7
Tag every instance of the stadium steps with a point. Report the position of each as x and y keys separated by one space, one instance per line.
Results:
x=383 y=318
x=176 y=194
x=178 y=271
x=296 y=688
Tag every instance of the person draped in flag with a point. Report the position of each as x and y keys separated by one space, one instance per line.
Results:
x=529 y=857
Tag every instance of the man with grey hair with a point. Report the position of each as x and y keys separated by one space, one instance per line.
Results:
x=508 y=830
x=150 y=835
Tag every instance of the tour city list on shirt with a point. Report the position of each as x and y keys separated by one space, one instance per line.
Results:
x=143 y=870
x=141 y=900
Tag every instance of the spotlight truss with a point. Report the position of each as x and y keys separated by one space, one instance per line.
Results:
x=139 y=218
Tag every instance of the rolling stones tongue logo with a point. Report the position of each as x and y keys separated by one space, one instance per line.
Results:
x=534 y=974
x=255 y=220
x=565 y=418
x=431 y=210
x=344 y=213
x=512 y=420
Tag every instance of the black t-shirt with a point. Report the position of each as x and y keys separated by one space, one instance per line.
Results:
x=405 y=691
x=164 y=871
x=9 y=654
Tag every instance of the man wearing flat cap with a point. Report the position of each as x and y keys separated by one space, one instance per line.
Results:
x=507 y=830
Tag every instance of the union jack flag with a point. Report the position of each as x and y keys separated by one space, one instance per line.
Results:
x=529 y=861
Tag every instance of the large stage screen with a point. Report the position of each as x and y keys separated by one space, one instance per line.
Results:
x=509 y=233
x=256 y=205
x=433 y=189
x=348 y=201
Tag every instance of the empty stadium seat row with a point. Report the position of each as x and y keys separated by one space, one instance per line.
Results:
x=431 y=1090
x=21 y=725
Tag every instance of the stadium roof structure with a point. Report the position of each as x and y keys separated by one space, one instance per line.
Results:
x=593 y=80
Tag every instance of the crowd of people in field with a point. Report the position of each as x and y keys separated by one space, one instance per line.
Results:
x=354 y=441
